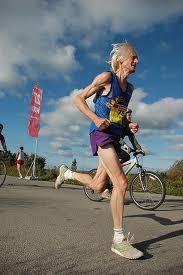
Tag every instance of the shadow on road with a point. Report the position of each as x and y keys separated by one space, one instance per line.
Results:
x=161 y=220
x=145 y=244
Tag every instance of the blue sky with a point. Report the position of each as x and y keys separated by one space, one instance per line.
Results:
x=63 y=45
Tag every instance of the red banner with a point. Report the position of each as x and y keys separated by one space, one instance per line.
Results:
x=34 y=120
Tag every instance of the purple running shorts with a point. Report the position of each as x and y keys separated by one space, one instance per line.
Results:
x=99 y=139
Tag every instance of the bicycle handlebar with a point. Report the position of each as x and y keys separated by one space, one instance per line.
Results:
x=135 y=153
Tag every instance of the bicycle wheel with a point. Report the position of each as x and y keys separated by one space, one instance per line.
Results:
x=2 y=173
x=91 y=194
x=147 y=191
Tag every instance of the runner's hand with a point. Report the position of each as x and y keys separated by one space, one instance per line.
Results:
x=102 y=123
x=134 y=127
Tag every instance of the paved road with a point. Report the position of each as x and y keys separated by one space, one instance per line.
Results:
x=48 y=231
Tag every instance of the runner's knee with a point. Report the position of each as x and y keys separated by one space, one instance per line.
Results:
x=124 y=185
x=99 y=186
x=121 y=185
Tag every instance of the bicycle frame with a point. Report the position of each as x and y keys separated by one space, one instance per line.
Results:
x=132 y=162
x=142 y=193
x=135 y=162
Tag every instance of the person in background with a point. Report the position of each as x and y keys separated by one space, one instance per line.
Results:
x=20 y=157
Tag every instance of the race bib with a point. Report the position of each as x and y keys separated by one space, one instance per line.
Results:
x=117 y=113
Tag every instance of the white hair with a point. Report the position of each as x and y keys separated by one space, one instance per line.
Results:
x=119 y=52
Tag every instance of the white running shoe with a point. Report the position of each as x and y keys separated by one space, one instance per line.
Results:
x=126 y=250
x=60 y=179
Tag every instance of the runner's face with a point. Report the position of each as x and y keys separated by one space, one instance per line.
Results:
x=130 y=62
x=129 y=116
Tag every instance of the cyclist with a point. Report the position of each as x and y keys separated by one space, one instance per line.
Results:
x=2 y=138
x=126 y=150
x=113 y=93
x=129 y=133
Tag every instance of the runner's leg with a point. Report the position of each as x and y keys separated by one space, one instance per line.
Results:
x=18 y=169
x=98 y=182
x=111 y=164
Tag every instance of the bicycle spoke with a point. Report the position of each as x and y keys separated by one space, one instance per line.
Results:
x=92 y=195
x=147 y=191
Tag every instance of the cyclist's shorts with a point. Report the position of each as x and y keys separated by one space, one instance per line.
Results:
x=99 y=139
x=19 y=161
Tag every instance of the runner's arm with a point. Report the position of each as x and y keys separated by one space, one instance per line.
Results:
x=134 y=142
x=17 y=154
x=99 y=84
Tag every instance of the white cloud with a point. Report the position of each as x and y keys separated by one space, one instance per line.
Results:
x=179 y=147
x=173 y=138
x=159 y=119
x=175 y=141
x=172 y=158
x=180 y=123
x=126 y=16
x=37 y=35
x=30 y=45
x=66 y=123
x=158 y=116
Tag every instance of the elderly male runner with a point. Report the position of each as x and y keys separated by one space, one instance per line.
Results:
x=113 y=93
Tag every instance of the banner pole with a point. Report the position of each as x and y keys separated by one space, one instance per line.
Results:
x=34 y=124
x=34 y=162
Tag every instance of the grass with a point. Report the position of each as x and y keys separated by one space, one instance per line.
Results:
x=174 y=185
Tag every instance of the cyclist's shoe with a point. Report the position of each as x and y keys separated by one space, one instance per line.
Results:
x=106 y=195
x=126 y=250
x=60 y=179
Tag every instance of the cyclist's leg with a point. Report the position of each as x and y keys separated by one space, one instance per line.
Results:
x=123 y=156
x=111 y=164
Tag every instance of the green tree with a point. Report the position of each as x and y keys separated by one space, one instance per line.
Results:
x=175 y=172
x=40 y=162
x=74 y=165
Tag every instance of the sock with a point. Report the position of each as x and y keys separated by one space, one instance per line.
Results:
x=118 y=235
x=68 y=175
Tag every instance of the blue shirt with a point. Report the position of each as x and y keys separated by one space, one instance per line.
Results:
x=112 y=106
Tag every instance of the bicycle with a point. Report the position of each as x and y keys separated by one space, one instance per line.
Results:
x=146 y=189
x=2 y=169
